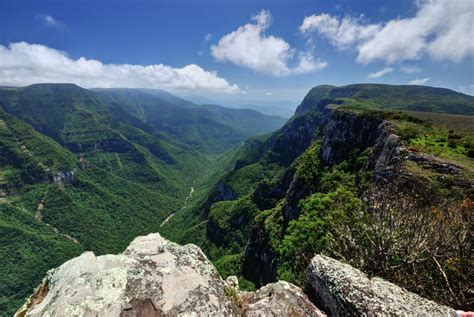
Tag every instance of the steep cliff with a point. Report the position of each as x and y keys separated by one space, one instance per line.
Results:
x=390 y=192
x=361 y=193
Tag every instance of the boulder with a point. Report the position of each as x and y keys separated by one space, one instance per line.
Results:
x=345 y=291
x=153 y=277
x=278 y=299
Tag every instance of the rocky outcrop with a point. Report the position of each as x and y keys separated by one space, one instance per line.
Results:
x=346 y=131
x=278 y=299
x=152 y=277
x=260 y=260
x=64 y=177
x=345 y=291
x=224 y=192
x=155 y=277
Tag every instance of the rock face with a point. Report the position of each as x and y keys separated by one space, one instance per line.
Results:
x=345 y=291
x=278 y=299
x=224 y=192
x=64 y=177
x=346 y=131
x=155 y=277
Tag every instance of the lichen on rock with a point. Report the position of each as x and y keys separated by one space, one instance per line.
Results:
x=153 y=277
x=345 y=291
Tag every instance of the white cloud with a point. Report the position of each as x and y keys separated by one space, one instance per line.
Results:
x=23 y=64
x=48 y=20
x=420 y=81
x=207 y=37
x=269 y=94
x=342 y=33
x=468 y=90
x=410 y=69
x=250 y=47
x=381 y=73
x=442 y=29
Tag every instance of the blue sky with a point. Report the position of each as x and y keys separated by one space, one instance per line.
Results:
x=254 y=51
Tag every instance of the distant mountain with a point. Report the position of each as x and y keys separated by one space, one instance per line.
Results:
x=400 y=97
x=205 y=127
x=283 y=109
x=280 y=108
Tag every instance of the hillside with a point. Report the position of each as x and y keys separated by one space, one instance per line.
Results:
x=395 y=97
x=79 y=172
x=389 y=192
x=207 y=128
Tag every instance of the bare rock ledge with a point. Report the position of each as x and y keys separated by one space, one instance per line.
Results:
x=345 y=291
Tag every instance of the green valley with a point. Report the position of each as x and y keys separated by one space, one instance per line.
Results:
x=81 y=171
x=377 y=176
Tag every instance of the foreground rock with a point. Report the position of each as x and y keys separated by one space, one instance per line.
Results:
x=345 y=291
x=155 y=277
x=278 y=299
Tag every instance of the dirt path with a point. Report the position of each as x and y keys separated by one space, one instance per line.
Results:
x=39 y=217
x=184 y=205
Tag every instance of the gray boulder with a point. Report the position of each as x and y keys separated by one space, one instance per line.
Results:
x=153 y=277
x=345 y=291
x=278 y=299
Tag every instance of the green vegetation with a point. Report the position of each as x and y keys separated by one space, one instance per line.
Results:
x=400 y=97
x=281 y=204
x=91 y=170
x=82 y=171
x=29 y=249
x=450 y=143
x=206 y=128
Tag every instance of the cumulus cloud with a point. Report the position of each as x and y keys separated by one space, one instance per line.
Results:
x=381 y=73
x=440 y=29
x=23 y=64
x=420 y=81
x=269 y=94
x=342 y=33
x=250 y=47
